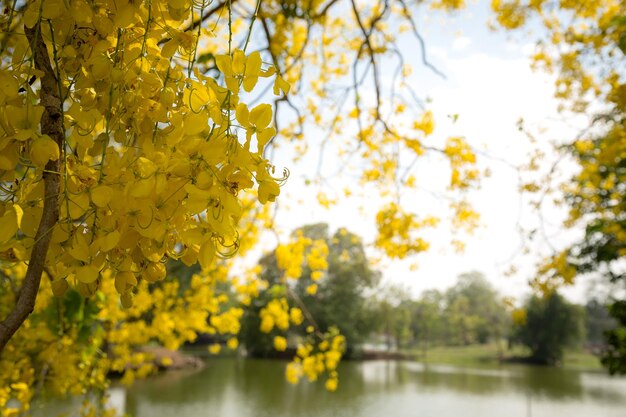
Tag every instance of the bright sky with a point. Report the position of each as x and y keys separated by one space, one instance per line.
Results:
x=490 y=86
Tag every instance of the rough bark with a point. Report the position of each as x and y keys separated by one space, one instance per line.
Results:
x=51 y=125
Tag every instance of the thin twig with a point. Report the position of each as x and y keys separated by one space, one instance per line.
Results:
x=419 y=38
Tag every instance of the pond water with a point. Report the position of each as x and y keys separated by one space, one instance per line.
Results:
x=247 y=388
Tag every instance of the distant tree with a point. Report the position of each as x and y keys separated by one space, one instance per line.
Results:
x=461 y=322
x=474 y=310
x=427 y=321
x=615 y=357
x=338 y=299
x=598 y=321
x=550 y=325
x=392 y=307
x=584 y=49
x=402 y=324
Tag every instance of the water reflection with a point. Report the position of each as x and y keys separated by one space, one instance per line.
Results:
x=242 y=388
x=555 y=384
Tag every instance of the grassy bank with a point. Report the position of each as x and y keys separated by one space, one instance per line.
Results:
x=488 y=355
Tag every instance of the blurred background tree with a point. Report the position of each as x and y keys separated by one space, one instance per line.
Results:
x=550 y=324
x=584 y=46
x=340 y=295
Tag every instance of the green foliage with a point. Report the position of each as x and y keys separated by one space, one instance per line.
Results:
x=427 y=325
x=393 y=312
x=470 y=312
x=476 y=309
x=598 y=322
x=615 y=357
x=551 y=325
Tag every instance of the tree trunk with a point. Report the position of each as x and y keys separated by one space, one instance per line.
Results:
x=51 y=125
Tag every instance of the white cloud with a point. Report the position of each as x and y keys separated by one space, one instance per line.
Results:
x=461 y=43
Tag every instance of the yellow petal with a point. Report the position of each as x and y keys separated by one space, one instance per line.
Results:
x=232 y=84
x=268 y=191
x=79 y=249
x=197 y=96
x=42 y=150
x=249 y=83
x=196 y=123
x=51 y=9
x=253 y=65
x=281 y=85
x=60 y=233
x=224 y=64
x=101 y=67
x=253 y=70
x=178 y=4
x=261 y=116
x=59 y=287
x=125 y=15
x=206 y=254
x=101 y=195
x=30 y=221
x=86 y=290
x=239 y=62
x=151 y=249
x=268 y=72
x=243 y=115
x=78 y=204
x=191 y=255
x=170 y=48
x=10 y=223
x=263 y=137
x=87 y=274
x=145 y=167
x=142 y=188
x=241 y=180
x=9 y=156
x=155 y=271
x=125 y=280
x=31 y=16
x=126 y=299
x=108 y=241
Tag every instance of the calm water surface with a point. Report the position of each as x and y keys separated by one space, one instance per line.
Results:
x=257 y=388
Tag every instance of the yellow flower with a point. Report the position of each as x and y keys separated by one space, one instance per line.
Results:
x=232 y=343
x=10 y=222
x=268 y=191
x=24 y=119
x=331 y=384
x=240 y=68
x=311 y=289
x=42 y=150
x=295 y=315
x=426 y=124
x=280 y=343
x=267 y=324
x=293 y=373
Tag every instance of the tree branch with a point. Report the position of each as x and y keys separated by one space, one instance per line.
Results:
x=51 y=125
x=367 y=42
x=206 y=15
x=419 y=38
x=324 y=11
